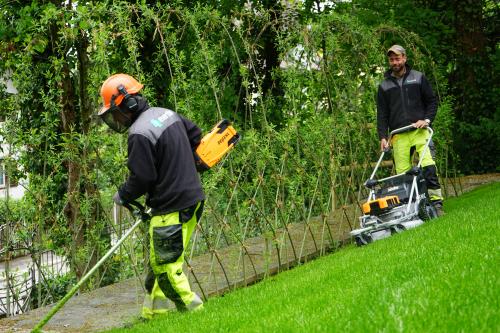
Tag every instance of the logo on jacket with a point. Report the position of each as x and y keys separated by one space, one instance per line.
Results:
x=158 y=122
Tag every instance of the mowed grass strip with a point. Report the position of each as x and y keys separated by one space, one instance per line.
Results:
x=441 y=277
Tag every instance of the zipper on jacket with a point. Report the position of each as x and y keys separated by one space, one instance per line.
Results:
x=403 y=99
x=407 y=98
x=403 y=104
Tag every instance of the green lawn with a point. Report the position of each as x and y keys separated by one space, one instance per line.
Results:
x=441 y=277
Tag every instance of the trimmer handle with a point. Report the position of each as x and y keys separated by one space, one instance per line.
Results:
x=137 y=209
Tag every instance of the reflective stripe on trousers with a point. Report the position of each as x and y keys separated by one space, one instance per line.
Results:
x=155 y=303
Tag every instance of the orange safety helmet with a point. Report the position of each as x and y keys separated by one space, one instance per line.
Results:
x=111 y=94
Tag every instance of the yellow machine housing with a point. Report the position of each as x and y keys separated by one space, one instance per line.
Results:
x=380 y=205
x=217 y=143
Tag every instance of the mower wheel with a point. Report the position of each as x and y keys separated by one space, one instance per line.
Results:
x=363 y=239
x=398 y=228
x=426 y=211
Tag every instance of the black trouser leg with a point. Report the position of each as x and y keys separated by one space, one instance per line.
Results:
x=432 y=182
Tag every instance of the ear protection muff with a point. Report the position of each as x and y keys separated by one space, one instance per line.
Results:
x=128 y=100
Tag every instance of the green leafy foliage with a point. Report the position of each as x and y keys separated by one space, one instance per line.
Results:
x=299 y=87
x=460 y=38
x=54 y=288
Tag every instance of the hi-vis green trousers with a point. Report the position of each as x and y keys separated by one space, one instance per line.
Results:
x=168 y=238
x=402 y=144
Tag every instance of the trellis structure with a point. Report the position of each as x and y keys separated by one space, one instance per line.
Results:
x=291 y=188
x=258 y=220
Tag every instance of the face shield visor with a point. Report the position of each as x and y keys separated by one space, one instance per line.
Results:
x=117 y=119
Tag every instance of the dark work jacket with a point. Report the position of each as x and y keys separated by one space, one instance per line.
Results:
x=161 y=162
x=399 y=106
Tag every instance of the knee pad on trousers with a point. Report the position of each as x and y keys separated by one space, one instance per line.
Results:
x=168 y=290
x=150 y=281
x=431 y=178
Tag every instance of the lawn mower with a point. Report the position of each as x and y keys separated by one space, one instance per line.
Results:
x=395 y=203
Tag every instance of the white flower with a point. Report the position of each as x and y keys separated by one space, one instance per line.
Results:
x=248 y=6
x=254 y=97
x=237 y=23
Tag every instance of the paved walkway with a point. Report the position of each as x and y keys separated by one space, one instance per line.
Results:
x=213 y=273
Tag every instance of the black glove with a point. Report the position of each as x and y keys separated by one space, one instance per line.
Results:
x=117 y=199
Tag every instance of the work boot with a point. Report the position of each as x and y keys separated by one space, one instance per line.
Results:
x=439 y=209
x=196 y=304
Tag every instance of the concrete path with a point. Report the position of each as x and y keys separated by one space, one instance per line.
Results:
x=213 y=273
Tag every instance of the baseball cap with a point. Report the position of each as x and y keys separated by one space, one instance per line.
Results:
x=397 y=49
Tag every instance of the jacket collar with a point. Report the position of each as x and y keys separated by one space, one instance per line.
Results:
x=142 y=106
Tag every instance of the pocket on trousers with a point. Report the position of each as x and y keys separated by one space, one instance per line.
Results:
x=187 y=214
x=200 y=211
x=167 y=243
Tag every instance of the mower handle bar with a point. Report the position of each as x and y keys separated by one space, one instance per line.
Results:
x=406 y=128
x=397 y=131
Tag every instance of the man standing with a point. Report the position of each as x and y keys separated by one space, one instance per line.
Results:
x=162 y=167
x=404 y=98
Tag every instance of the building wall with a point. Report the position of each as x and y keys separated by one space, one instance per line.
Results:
x=15 y=192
